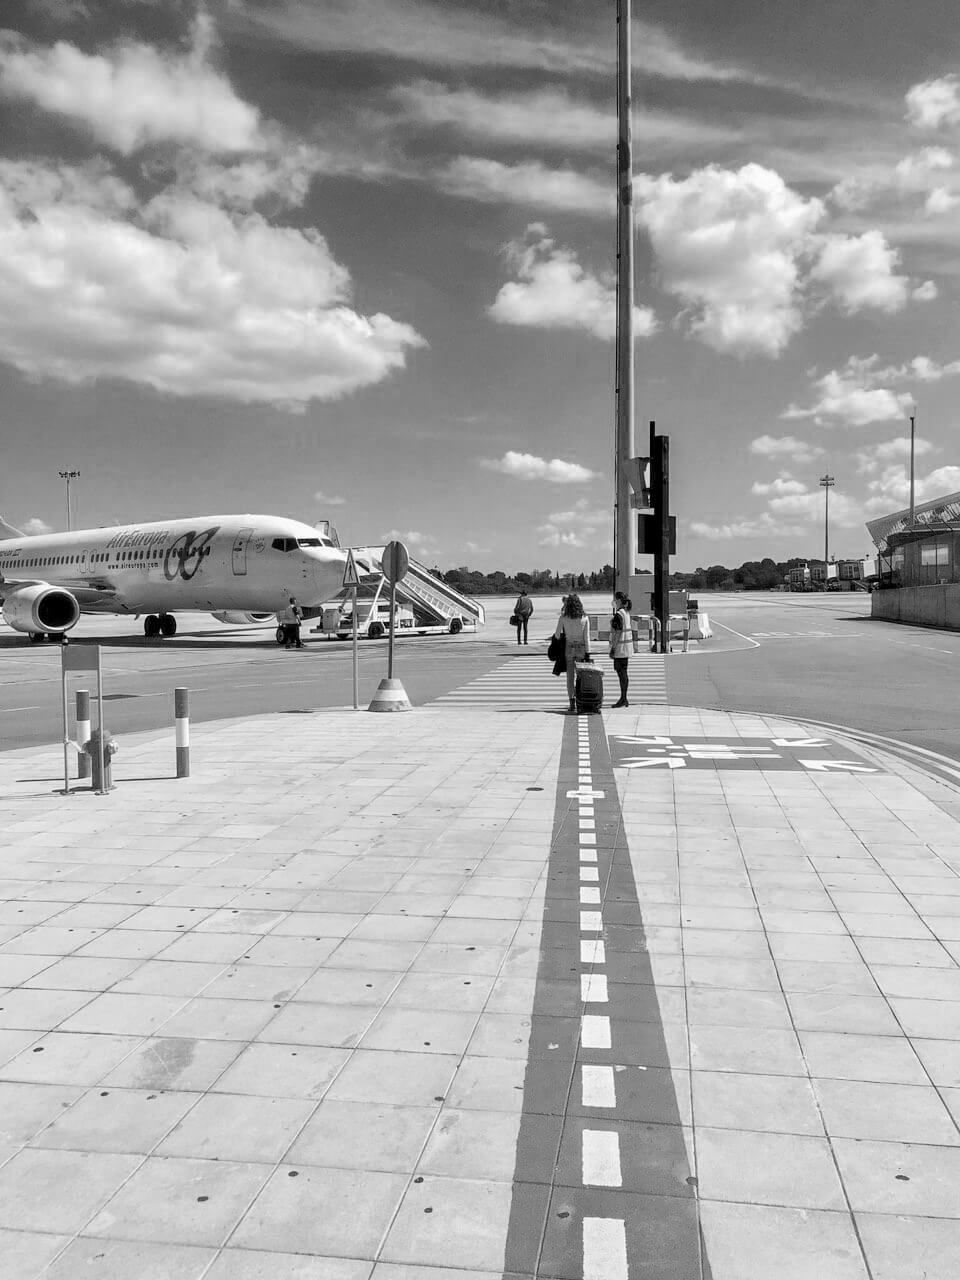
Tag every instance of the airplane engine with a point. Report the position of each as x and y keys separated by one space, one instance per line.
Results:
x=234 y=619
x=40 y=609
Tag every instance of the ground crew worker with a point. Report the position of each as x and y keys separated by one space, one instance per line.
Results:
x=290 y=620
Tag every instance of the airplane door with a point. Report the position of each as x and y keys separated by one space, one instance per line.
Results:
x=83 y=562
x=240 y=551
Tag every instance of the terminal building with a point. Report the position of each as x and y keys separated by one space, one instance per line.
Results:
x=919 y=563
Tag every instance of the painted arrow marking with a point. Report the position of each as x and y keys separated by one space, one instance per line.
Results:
x=648 y=742
x=848 y=766
x=670 y=761
x=800 y=742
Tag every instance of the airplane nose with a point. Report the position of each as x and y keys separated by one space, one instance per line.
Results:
x=328 y=572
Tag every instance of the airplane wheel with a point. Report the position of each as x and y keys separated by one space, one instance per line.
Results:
x=151 y=625
x=376 y=630
x=168 y=624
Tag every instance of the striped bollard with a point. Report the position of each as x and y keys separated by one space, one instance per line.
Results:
x=83 y=732
x=181 y=712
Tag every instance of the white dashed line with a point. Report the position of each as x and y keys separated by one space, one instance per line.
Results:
x=592 y=952
x=601 y=1158
x=595 y=1031
x=593 y=988
x=590 y=873
x=589 y=896
x=604 y=1249
x=591 y=922
x=597 y=1087
x=588 y=855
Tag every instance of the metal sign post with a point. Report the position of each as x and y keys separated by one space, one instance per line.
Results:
x=351 y=579
x=80 y=657
x=391 y=695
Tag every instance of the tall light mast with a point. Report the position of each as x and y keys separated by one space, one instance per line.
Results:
x=67 y=476
x=625 y=541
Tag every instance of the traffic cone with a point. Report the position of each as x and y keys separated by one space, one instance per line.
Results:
x=390 y=696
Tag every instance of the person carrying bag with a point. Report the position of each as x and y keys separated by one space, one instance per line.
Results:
x=522 y=612
x=574 y=629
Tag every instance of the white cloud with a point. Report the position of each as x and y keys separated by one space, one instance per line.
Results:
x=784 y=485
x=35 y=526
x=578 y=526
x=729 y=244
x=134 y=95
x=925 y=292
x=763 y=525
x=785 y=447
x=547 y=118
x=856 y=396
x=555 y=292
x=527 y=466
x=328 y=500
x=872 y=457
x=859 y=272
x=891 y=489
x=934 y=103
x=183 y=297
x=560 y=538
x=421 y=544
x=527 y=183
x=940 y=201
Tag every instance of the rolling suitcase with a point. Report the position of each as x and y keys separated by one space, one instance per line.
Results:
x=589 y=688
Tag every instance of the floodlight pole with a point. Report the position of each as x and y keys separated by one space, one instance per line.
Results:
x=913 y=432
x=826 y=484
x=625 y=539
x=67 y=476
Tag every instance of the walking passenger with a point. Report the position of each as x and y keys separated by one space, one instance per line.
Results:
x=522 y=611
x=621 y=642
x=574 y=627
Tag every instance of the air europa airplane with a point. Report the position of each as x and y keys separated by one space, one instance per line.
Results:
x=240 y=568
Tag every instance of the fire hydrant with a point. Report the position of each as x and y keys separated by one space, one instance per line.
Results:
x=104 y=781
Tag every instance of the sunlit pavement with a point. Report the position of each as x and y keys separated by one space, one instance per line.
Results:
x=458 y=994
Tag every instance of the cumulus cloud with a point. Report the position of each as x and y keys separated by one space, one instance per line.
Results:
x=329 y=500
x=527 y=183
x=182 y=296
x=785 y=447
x=891 y=489
x=782 y=486
x=527 y=466
x=861 y=392
x=553 y=291
x=421 y=544
x=134 y=95
x=872 y=458
x=934 y=103
x=764 y=525
x=35 y=526
x=859 y=272
x=728 y=244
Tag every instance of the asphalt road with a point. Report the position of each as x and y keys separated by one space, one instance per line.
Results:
x=816 y=657
x=822 y=657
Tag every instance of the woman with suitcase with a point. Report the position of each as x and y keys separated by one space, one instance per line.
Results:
x=574 y=628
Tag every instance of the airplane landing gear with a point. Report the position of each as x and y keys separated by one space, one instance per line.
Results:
x=36 y=637
x=165 y=625
x=168 y=624
x=151 y=625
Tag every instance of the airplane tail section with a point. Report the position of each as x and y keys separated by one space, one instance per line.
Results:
x=8 y=531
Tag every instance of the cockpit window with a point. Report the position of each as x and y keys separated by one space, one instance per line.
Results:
x=313 y=542
x=284 y=544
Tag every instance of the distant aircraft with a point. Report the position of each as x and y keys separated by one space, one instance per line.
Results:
x=240 y=568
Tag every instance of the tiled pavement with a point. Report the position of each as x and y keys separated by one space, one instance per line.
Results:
x=363 y=1000
x=527 y=682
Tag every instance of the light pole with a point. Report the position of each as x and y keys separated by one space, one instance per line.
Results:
x=66 y=477
x=826 y=484
x=913 y=435
x=625 y=540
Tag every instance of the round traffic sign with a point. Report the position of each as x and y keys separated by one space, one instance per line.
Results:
x=395 y=561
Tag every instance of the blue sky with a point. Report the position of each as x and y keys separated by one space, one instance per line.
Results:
x=351 y=259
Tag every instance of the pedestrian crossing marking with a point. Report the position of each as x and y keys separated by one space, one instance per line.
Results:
x=519 y=683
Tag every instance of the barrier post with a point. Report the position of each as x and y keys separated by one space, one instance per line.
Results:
x=181 y=712
x=83 y=732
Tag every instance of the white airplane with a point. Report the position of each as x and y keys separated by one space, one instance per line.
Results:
x=240 y=568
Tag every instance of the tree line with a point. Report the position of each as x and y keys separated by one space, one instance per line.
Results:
x=753 y=575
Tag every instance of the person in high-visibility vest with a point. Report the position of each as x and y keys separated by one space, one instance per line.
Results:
x=290 y=620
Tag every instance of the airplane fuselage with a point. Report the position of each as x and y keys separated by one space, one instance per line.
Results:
x=211 y=563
